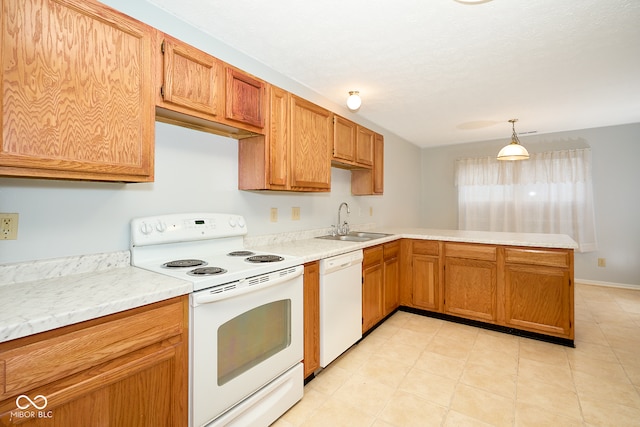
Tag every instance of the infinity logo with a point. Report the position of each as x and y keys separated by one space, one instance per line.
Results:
x=30 y=402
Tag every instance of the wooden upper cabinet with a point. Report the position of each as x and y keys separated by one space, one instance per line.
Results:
x=366 y=182
x=245 y=98
x=352 y=144
x=295 y=152
x=364 y=147
x=344 y=140
x=75 y=106
x=378 y=164
x=191 y=80
x=311 y=134
x=197 y=90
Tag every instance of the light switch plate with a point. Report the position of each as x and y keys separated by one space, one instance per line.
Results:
x=8 y=226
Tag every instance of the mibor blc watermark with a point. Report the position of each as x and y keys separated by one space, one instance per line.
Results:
x=31 y=408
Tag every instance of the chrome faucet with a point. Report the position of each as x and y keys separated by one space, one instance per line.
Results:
x=343 y=228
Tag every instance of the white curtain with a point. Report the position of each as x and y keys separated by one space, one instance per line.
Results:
x=552 y=192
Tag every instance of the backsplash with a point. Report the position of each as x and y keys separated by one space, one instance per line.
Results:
x=59 y=267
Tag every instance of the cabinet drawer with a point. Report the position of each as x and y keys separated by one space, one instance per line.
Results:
x=60 y=354
x=426 y=247
x=462 y=250
x=537 y=257
x=372 y=256
x=391 y=250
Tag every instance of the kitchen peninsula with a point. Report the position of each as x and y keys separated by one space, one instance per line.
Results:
x=512 y=282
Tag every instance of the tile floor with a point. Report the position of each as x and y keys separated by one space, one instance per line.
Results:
x=419 y=371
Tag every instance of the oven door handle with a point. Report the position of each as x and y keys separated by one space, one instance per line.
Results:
x=246 y=285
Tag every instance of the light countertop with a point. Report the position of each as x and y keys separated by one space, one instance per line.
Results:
x=35 y=306
x=311 y=249
x=71 y=290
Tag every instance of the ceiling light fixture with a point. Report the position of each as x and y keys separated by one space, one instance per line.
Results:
x=354 y=101
x=513 y=151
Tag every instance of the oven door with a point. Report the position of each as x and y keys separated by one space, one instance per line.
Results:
x=243 y=339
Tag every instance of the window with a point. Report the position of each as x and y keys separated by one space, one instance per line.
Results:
x=549 y=193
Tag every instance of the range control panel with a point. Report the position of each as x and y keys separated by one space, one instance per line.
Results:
x=160 y=229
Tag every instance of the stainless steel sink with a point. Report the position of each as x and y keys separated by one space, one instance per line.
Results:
x=355 y=236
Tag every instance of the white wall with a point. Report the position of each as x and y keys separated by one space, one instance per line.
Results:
x=616 y=179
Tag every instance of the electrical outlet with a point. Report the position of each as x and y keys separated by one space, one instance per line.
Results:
x=8 y=226
x=295 y=213
x=602 y=262
x=274 y=214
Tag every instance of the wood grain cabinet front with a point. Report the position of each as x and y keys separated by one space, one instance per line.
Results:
x=126 y=369
x=75 y=106
x=539 y=291
x=366 y=182
x=244 y=98
x=391 y=260
x=190 y=80
x=295 y=153
x=311 y=317
x=372 y=287
x=471 y=281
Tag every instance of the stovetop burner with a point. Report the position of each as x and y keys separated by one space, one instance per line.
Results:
x=240 y=253
x=264 y=258
x=181 y=263
x=206 y=271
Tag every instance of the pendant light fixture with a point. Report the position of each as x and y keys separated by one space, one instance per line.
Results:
x=514 y=150
x=354 y=101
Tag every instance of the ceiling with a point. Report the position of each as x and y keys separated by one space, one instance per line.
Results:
x=441 y=72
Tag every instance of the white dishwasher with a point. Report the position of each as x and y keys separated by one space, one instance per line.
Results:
x=340 y=304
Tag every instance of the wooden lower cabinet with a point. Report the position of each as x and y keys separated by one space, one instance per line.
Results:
x=425 y=275
x=372 y=287
x=126 y=369
x=380 y=283
x=391 y=267
x=311 y=317
x=529 y=289
x=539 y=292
x=470 y=288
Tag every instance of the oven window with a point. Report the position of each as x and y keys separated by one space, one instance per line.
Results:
x=253 y=336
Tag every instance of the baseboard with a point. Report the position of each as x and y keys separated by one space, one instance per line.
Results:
x=606 y=284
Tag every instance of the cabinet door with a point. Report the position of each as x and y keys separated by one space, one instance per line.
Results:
x=391 y=295
x=244 y=98
x=344 y=139
x=372 y=286
x=311 y=145
x=75 y=106
x=425 y=273
x=539 y=299
x=126 y=369
x=372 y=309
x=364 y=147
x=470 y=288
x=311 y=317
x=378 y=164
x=191 y=78
x=278 y=137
